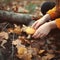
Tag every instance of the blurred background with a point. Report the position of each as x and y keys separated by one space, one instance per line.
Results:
x=6 y=4
x=23 y=6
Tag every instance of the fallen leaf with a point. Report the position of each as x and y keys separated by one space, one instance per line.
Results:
x=48 y=56
x=4 y=35
x=41 y=51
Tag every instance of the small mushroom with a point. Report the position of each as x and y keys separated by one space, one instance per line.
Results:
x=29 y=30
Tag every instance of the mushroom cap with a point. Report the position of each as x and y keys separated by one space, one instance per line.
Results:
x=30 y=30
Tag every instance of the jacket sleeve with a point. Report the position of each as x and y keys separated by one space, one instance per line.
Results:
x=58 y=22
x=53 y=14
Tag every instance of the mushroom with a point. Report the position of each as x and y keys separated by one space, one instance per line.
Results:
x=29 y=30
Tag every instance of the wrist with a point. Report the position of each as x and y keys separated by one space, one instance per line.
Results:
x=52 y=24
x=46 y=17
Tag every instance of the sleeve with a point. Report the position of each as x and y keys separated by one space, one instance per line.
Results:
x=58 y=22
x=53 y=14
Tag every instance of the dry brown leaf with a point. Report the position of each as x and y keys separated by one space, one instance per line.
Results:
x=10 y=30
x=41 y=51
x=22 y=10
x=21 y=51
x=24 y=53
x=16 y=42
x=17 y=30
x=4 y=35
x=48 y=57
x=2 y=44
x=27 y=57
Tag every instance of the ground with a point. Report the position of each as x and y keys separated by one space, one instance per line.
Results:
x=15 y=43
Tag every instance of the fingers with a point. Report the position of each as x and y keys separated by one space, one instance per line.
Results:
x=42 y=35
x=34 y=24
x=37 y=25
x=35 y=34
x=42 y=31
x=38 y=35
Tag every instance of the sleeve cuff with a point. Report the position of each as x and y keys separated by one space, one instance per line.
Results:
x=52 y=13
x=58 y=23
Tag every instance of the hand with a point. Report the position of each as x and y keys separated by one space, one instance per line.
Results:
x=37 y=23
x=41 y=21
x=42 y=31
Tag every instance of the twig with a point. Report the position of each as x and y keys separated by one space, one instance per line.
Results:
x=5 y=26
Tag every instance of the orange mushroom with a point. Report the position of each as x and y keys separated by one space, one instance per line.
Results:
x=30 y=30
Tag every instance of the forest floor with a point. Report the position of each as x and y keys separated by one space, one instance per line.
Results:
x=15 y=45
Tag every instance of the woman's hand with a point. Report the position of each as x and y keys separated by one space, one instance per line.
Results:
x=44 y=29
x=37 y=24
x=41 y=21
